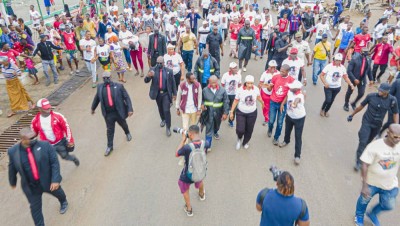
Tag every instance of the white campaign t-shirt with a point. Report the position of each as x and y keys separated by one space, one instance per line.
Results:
x=295 y=66
x=203 y=33
x=383 y=163
x=103 y=52
x=321 y=29
x=341 y=27
x=45 y=123
x=88 y=48
x=116 y=48
x=250 y=15
x=247 y=99
x=108 y=36
x=35 y=16
x=295 y=112
x=234 y=14
x=231 y=82
x=125 y=37
x=128 y=11
x=334 y=74
x=222 y=17
x=211 y=18
x=173 y=62
x=172 y=29
x=266 y=79
x=379 y=30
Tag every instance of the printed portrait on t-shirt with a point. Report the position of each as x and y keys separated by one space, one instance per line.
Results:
x=249 y=100
x=292 y=71
x=170 y=65
x=387 y=164
x=335 y=76
x=289 y=105
x=232 y=86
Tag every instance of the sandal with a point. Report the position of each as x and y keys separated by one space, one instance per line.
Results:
x=326 y=114
x=123 y=80
x=11 y=115
x=36 y=83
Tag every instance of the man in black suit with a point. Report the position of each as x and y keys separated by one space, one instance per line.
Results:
x=163 y=90
x=157 y=46
x=116 y=106
x=358 y=69
x=37 y=164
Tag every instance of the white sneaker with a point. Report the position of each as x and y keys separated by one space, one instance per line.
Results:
x=238 y=144
x=204 y=196
x=72 y=72
x=77 y=71
x=209 y=150
x=246 y=146
x=297 y=161
x=244 y=69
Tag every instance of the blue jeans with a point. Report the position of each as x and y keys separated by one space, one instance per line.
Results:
x=187 y=59
x=201 y=47
x=387 y=201
x=46 y=64
x=318 y=66
x=127 y=56
x=257 y=51
x=274 y=110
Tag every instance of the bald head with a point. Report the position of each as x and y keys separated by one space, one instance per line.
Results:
x=395 y=128
x=213 y=81
x=26 y=135
x=160 y=59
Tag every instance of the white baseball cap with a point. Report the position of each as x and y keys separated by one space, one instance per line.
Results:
x=249 y=78
x=338 y=56
x=232 y=65
x=272 y=63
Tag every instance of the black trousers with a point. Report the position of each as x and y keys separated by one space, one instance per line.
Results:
x=305 y=35
x=61 y=149
x=298 y=125
x=264 y=43
x=361 y=91
x=177 y=78
x=270 y=56
x=366 y=134
x=111 y=118
x=35 y=202
x=330 y=95
x=231 y=99
x=387 y=124
x=153 y=59
x=279 y=62
x=164 y=105
x=205 y=13
x=245 y=125
x=382 y=68
x=217 y=57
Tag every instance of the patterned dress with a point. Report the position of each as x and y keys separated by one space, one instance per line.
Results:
x=119 y=59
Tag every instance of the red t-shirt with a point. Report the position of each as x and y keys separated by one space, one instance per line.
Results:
x=283 y=23
x=257 y=30
x=381 y=53
x=361 y=41
x=69 y=40
x=281 y=88
x=235 y=28
x=11 y=54
x=56 y=25
x=393 y=62
x=316 y=9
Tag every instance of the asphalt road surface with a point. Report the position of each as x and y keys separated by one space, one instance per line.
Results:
x=137 y=183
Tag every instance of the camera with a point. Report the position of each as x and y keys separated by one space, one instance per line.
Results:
x=275 y=172
x=180 y=131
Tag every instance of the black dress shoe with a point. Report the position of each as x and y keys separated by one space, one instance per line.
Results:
x=346 y=107
x=76 y=161
x=108 y=151
x=162 y=124
x=64 y=207
x=353 y=105
x=168 y=132
x=128 y=137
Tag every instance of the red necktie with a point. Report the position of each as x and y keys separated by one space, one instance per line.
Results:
x=362 y=67
x=32 y=163
x=155 y=42
x=110 y=101
x=161 y=78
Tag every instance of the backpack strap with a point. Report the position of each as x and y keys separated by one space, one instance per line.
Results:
x=303 y=209
x=263 y=194
x=192 y=147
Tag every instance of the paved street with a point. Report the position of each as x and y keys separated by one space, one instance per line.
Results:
x=137 y=183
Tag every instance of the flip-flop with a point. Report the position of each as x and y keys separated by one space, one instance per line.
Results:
x=11 y=115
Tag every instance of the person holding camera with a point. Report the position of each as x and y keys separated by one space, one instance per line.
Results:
x=53 y=127
x=196 y=148
x=162 y=90
x=280 y=206
x=215 y=108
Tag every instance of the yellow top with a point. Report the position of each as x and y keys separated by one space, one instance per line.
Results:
x=320 y=52
x=188 y=41
x=89 y=26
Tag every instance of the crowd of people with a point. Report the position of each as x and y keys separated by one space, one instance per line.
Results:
x=182 y=44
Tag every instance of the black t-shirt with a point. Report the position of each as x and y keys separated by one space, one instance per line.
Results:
x=280 y=43
x=377 y=108
x=185 y=151
x=214 y=40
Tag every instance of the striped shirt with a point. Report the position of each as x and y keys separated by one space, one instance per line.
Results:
x=295 y=21
x=8 y=72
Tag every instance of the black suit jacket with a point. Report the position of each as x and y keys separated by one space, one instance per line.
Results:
x=155 y=81
x=161 y=46
x=46 y=161
x=120 y=97
x=354 y=68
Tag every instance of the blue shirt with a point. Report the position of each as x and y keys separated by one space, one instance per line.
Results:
x=207 y=68
x=280 y=210
x=193 y=20
x=286 y=11
x=347 y=36
x=339 y=6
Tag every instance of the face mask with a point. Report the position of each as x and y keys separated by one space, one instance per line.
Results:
x=160 y=65
x=107 y=80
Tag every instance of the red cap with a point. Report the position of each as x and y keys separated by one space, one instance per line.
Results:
x=44 y=104
x=293 y=51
